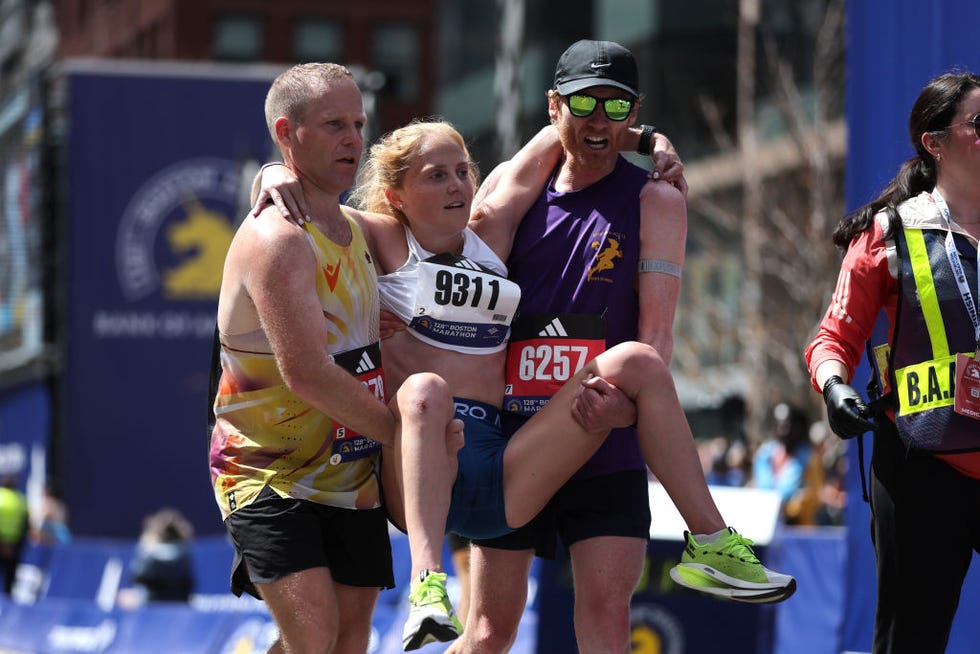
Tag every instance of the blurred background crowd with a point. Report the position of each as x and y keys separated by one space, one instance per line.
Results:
x=799 y=457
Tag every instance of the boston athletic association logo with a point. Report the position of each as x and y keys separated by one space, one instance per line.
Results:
x=174 y=233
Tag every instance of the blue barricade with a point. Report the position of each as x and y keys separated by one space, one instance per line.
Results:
x=65 y=603
x=70 y=626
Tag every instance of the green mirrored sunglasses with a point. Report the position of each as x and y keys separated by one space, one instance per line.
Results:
x=582 y=105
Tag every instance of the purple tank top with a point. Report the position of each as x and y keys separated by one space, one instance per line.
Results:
x=578 y=252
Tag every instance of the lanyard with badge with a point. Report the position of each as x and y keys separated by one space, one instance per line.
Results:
x=966 y=400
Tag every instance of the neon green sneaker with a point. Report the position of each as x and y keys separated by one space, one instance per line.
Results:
x=696 y=579
x=729 y=568
x=431 y=616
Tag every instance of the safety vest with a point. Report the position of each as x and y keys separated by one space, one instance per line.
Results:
x=13 y=515
x=931 y=326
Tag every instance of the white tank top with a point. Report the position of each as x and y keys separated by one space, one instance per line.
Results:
x=461 y=303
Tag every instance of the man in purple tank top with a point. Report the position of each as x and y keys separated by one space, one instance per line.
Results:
x=598 y=258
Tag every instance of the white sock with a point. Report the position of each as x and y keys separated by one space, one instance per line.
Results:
x=704 y=539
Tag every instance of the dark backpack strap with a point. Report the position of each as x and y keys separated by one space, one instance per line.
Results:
x=877 y=404
x=864 y=480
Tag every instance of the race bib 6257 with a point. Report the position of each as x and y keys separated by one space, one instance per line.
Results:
x=545 y=351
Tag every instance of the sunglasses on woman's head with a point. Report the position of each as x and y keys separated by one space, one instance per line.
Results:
x=582 y=105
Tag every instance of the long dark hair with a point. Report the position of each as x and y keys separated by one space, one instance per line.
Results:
x=932 y=112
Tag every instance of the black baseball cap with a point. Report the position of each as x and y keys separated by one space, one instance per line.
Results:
x=596 y=63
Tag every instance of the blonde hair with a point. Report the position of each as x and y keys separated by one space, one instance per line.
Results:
x=294 y=89
x=392 y=156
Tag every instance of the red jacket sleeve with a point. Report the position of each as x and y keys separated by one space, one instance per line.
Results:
x=864 y=287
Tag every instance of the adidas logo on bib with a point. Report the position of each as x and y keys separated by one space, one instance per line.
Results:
x=553 y=328
x=365 y=365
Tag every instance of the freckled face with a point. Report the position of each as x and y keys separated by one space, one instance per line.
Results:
x=438 y=190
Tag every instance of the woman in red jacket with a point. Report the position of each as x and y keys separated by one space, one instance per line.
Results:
x=912 y=253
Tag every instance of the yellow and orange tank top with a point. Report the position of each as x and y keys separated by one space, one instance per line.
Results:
x=266 y=435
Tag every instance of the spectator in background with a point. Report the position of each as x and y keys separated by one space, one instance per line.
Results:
x=833 y=494
x=802 y=507
x=725 y=461
x=780 y=461
x=732 y=464
x=14 y=522
x=711 y=451
x=52 y=523
x=162 y=570
x=827 y=485
x=821 y=496
x=738 y=465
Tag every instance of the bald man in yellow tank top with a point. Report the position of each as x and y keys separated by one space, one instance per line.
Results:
x=300 y=409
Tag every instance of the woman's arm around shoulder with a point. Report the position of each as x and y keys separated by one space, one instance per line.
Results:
x=511 y=188
x=385 y=237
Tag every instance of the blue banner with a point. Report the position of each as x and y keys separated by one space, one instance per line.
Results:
x=159 y=160
x=57 y=626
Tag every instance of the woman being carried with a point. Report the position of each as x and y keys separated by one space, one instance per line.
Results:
x=451 y=289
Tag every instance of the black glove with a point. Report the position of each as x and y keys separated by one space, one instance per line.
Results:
x=846 y=411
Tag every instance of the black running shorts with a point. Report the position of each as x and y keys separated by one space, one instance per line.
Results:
x=275 y=537
x=616 y=504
